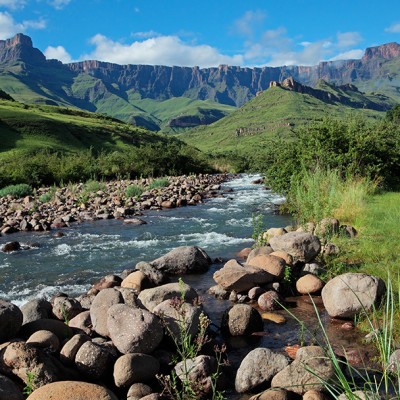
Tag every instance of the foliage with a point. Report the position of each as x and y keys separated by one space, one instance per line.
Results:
x=158 y=183
x=258 y=230
x=352 y=147
x=30 y=385
x=48 y=196
x=17 y=191
x=134 y=190
x=393 y=114
x=93 y=186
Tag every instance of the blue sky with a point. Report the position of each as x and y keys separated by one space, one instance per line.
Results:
x=204 y=33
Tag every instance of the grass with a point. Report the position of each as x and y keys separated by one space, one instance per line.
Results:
x=134 y=191
x=158 y=183
x=16 y=191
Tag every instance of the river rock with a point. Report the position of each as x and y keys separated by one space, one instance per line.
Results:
x=313 y=268
x=150 y=298
x=36 y=309
x=137 y=281
x=272 y=232
x=155 y=276
x=234 y=276
x=137 y=391
x=272 y=264
x=307 y=372
x=71 y=347
x=65 y=308
x=327 y=227
x=44 y=340
x=241 y=319
x=10 y=320
x=135 y=368
x=199 y=371
x=82 y=323
x=101 y=303
x=309 y=284
x=59 y=328
x=259 y=250
x=360 y=395
x=76 y=391
x=348 y=294
x=9 y=390
x=108 y=281
x=270 y=301
x=302 y=246
x=183 y=260
x=285 y=256
x=19 y=358
x=11 y=246
x=258 y=367
x=315 y=395
x=134 y=330
x=276 y=394
x=91 y=359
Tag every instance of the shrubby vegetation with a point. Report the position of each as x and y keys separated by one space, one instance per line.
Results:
x=47 y=167
x=16 y=191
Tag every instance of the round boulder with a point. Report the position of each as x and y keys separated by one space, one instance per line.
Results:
x=241 y=319
x=9 y=390
x=348 y=294
x=44 y=340
x=269 y=301
x=272 y=264
x=75 y=390
x=36 y=309
x=91 y=359
x=309 y=284
x=10 y=320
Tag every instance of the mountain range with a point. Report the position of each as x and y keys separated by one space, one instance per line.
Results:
x=174 y=98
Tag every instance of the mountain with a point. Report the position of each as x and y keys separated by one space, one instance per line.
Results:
x=278 y=111
x=135 y=93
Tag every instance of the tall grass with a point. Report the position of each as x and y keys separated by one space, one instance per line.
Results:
x=325 y=193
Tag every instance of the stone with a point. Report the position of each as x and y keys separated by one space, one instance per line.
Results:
x=274 y=317
x=71 y=347
x=315 y=395
x=198 y=370
x=183 y=260
x=44 y=340
x=272 y=232
x=258 y=367
x=134 y=330
x=108 y=281
x=244 y=253
x=360 y=395
x=150 y=298
x=270 y=301
x=272 y=264
x=330 y=249
x=348 y=230
x=135 y=368
x=275 y=394
x=255 y=292
x=9 y=390
x=308 y=371
x=91 y=359
x=241 y=319
x=101 y=303
x=76 y=391
x=11 y=246
x=59 y=328
x=36 y=309
x=135 y=221
x=177 y=315
x=137 y=391
x=285 y=256
x=348 y=294
x=219 y=292
x=65 y=308
x=234 y=276
x=10 y=320
x=259 y=250
x=155 y=276
x=302 y=246
x=394 y=362
x=309 y=284
x=327 y=227
x=136 y=280
x=82 y=323
x=313 y=268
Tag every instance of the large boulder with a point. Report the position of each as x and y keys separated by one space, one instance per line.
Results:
x=150 y=298
x=36 y=309
x=272 y=264
x=241 y=319
x=134 y=330
x=9 y=390
x=135 y=368
x=348 y=294
x=10 y=320
x=65 y=308
x=310 y=369
x=183 y=260
x=45 y=340
x=59 y=328
x=234 y=276
x=71 y=347
x=258 y=251
x=98 y=311
x=309 y=284
x=258 y=367
x=302 y=246
x=74 y=391
x=91 y=359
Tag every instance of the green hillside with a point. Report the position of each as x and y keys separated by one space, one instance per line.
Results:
x=276 y=112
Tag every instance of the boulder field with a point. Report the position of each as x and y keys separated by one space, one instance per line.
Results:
x=120 y=339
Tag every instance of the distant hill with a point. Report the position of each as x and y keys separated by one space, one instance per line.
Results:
x=175 y=98
x=279 y=110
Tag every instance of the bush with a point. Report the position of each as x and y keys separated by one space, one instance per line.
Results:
x=159 y=183
x=17 y=191
x=134 y=191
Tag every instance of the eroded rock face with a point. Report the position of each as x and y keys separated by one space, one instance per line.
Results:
x=302 y=246
x=310 y=367
x=10 y=320
x=74 y=389
x=241 y=319
x=134 y=330
x=183 y=260
x=258 y=367
x=348 y=294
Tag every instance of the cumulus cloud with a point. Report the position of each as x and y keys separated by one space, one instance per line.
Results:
x=161 y=50
x=355 y=54
x=58 y=53
x=348 y=39
x=13 y=4
x=59 y=4
x=9 y=27
x=394 y=28
x=250 y=20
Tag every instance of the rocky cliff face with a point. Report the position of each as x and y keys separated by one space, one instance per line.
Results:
x=20 y=48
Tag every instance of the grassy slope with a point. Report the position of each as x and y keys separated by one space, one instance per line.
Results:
x=25 y=128
x=274 y=113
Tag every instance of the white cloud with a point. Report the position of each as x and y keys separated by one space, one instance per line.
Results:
x=248 y=22
x=348 y=39
x=145 y=35
x=394 y=28
x=355 y=54
x=13 y=4
x=9 y=27
x=58 y=53
x=162 y=50
x=59 y=4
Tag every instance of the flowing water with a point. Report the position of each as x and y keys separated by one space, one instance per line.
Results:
x=222 y=226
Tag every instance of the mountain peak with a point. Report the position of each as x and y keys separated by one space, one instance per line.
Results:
x=20 y=48
x=386 y=51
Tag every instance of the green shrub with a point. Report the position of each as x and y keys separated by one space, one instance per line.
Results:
x=92 y=186
x=159 y=183
x=134 y=191
x=16 y=191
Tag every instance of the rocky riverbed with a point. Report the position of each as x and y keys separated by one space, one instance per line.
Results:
x=113 y=341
